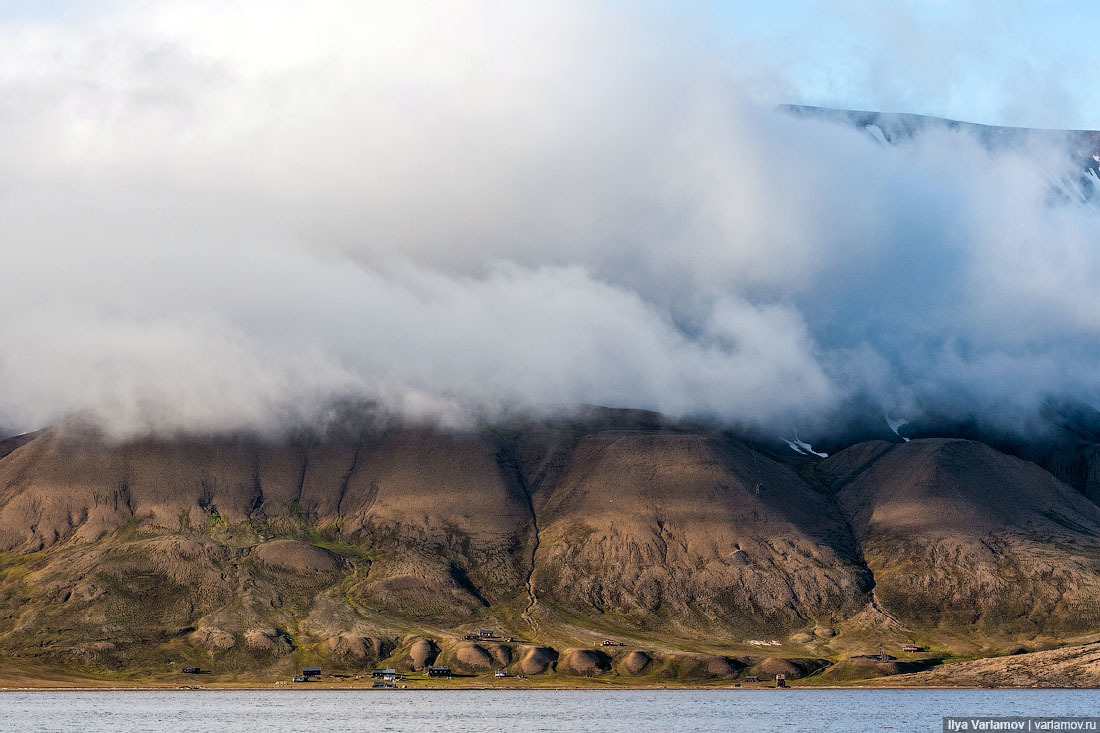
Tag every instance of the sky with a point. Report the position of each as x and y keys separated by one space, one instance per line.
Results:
x=1001 y=62
x=226 y=215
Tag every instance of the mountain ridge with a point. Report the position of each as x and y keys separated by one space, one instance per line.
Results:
x=252 y=556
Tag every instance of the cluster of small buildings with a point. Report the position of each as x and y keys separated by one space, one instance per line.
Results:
x=382 y=678
x=780 y=680
x=487 y=634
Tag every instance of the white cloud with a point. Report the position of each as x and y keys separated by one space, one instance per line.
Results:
x=229 y=215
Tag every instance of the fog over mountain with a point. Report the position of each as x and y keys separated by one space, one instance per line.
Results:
x=493 y=210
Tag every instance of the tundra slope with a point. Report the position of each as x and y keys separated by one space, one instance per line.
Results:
x=389 y=544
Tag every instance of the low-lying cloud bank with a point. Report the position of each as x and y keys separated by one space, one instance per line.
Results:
x=223 y=216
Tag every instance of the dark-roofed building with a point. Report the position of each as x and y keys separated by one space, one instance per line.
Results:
x=311 y=672
x=439 y=670
x=380 y=674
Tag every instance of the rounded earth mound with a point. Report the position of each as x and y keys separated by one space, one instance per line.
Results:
x=422 y=653
x=636 y=662
x=473 y=655
x=295 y=557
x=584 y=662
x=537 y=660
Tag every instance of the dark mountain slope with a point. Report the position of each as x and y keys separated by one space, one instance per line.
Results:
x=961 y=536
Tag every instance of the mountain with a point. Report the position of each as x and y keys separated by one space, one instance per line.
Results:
x=709 y=554
x=960 y=536
x=890 y=128
x=712 y=557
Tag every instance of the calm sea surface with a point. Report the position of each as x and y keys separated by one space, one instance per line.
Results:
x=852 y=711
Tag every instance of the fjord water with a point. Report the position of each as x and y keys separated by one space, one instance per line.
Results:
x=462 y=711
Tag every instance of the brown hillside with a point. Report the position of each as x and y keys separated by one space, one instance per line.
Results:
x=388 y=546
x=959 y=534
x=647 y=521
x=1073 y=666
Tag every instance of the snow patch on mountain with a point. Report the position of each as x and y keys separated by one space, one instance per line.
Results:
x=803 y=448
x=894 y=425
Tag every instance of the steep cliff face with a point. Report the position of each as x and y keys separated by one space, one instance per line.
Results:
x=253 y=554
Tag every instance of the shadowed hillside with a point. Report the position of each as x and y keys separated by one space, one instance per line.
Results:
x=961 y=536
